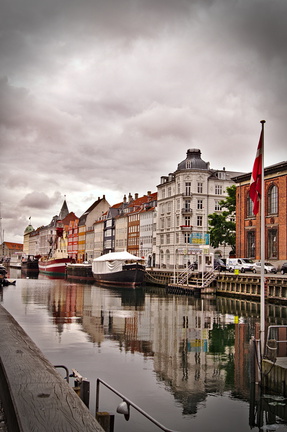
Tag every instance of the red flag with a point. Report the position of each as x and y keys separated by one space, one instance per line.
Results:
x=256 y=177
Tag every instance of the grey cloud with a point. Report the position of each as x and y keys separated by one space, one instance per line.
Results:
x=101 y=94
x=38 y=200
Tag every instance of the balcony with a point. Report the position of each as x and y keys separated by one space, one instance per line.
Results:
x=186 y=228
x=186 y=211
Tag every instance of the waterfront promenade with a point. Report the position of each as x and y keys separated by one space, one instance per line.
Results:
x=34 y=395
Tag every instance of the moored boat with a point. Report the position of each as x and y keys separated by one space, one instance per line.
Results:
x=53 y=265
x=119 y=269
x=80 y=272
x=29 y=263
x=3 y=274
x=16 y=260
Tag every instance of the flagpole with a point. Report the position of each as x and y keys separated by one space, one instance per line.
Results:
x=262 y=247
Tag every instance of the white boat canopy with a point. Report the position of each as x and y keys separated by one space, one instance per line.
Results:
x=118 y=256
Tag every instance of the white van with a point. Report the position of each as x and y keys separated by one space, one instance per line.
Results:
x=241 y=264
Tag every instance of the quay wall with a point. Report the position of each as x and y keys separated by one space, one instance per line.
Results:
x=248 y=286
x=35 y=397
x=229 y=284
x=275 y=375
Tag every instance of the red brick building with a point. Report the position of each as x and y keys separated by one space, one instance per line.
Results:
x=248 y=225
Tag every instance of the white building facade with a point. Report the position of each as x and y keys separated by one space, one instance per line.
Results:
x=185 y=199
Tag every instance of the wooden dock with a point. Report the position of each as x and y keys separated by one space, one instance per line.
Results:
x=34 y=395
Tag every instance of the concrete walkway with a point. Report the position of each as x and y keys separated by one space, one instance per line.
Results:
x=34 y=395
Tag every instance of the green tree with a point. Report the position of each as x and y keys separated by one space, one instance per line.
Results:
x=222 y=225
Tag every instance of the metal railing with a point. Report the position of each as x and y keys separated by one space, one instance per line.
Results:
x=273 y=340
x=129 y=403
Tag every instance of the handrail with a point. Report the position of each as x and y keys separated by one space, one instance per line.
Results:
x=129 y=402
x=66 y=370
x=275 y=326
x=274 y=340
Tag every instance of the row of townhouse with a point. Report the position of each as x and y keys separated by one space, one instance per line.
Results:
x=169 y=227
x=158 y=226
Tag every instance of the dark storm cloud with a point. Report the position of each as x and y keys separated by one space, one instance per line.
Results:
x=38 y=200
x=97 y=96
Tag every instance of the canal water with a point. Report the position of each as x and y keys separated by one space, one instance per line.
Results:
x=183 y=360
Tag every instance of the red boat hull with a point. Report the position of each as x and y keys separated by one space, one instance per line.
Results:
x=54 y=266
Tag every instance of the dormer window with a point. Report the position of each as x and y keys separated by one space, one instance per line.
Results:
x=188 y=164
x=221 y=175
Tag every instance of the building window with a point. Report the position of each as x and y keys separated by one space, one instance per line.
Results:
x=187 y=205
x=272 y=198
x=199 y=187
x=187 y=221
x=169 y=206
x=221 y=175
x=169 y=191
x=168 y=222
x=249 y=206
x=168 y=239
x=186 y=238
x=272 y=243
x=178 y=187
x=188 y=188
x=163 y=193
x=199 y=204
x=251 y=244
x=218 y=189
x=188 y=164
x=167 y=257
x=217 y=206
x=199 y=221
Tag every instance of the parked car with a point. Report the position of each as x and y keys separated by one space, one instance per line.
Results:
x=241 y=264
x=219 y=264
x=283 y=268
x=268 y=268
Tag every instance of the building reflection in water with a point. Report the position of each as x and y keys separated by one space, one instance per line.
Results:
x=198 y=346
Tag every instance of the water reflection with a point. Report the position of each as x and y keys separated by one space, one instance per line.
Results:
x=188 y=354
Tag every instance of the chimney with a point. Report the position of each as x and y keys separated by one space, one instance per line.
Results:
x=136 y=196
x=130 y=197
x=124 y=199
x=148 y=193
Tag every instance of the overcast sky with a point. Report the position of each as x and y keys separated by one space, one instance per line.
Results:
x=106 y=96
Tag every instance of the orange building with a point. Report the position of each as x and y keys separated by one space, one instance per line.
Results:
x=248 y=226
x=9 y=248
x=73 y=239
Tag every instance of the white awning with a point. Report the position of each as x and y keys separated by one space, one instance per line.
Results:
x=118 y=256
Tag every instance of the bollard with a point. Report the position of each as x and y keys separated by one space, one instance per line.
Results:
x=106 y=420
x=85 y=392
x=82 y=387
